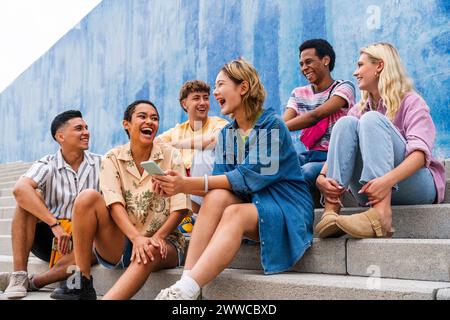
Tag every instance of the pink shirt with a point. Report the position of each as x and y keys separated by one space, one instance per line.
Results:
x=413 y=121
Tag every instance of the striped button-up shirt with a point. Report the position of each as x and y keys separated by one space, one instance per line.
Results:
x=60 y=184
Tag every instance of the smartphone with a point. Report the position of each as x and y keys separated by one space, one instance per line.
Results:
x=152 y=168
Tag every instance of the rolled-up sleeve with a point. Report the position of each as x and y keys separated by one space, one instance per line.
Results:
x=110 y=181
x=39 y=173
x=419 y=128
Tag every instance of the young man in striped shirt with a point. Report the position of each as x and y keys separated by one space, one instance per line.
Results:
x=45 y=194
x=318 y=105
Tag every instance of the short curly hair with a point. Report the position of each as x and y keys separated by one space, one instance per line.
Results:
x=323 y=48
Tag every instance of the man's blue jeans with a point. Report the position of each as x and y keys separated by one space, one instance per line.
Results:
x=368 y=148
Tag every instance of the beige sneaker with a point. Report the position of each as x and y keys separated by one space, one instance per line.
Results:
x=4 y=280
x=18 y=285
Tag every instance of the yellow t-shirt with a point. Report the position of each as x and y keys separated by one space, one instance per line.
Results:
x=120 y=181
x=184 y=131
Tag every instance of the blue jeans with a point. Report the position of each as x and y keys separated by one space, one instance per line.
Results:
x=311 y=163
x=368 y=148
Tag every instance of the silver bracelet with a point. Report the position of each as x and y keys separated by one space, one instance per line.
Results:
x=206 y=183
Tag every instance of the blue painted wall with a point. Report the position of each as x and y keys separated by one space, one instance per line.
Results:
x=129 y=49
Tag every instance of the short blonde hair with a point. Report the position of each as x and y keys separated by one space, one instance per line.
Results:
x=253 y=100
x=394 y=81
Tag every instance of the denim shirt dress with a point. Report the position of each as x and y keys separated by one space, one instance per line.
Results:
x=266 y=171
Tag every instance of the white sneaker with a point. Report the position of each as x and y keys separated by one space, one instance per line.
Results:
x=18 y=285
x=4 y=280
x=174 y=294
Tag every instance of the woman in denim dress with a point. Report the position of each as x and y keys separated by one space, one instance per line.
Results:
x=256 y=191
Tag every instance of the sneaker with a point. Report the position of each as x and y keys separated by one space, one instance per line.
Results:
x=86 y=292
x=4 y=280
x=62 y=289
x=31 y=286
x=18 y=285
x=172 y=294
x=186 y=226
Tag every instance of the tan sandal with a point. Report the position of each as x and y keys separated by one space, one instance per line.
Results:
x=363 y=225
x=327 y=228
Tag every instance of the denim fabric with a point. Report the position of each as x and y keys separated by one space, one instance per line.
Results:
x=274 y=184
x=312 y=162
x=362 y=150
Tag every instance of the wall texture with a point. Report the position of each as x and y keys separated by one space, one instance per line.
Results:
x=129 y=49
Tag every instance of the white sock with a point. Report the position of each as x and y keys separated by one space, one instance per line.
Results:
x=185 y=272
x=188 y=286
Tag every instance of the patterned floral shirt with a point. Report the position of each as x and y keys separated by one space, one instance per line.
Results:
x=121 y=182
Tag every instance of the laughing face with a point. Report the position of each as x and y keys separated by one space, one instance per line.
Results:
x=74 y=134
x=227 y=93
x=312 y=67
x=196 y=105
x=143 y=125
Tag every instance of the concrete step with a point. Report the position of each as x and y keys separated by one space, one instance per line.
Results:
x=14 y=168
x=6 y=212
x=11 y=176
x=389 y=258
x=7 y=201
x=5 y=245
x=418 y=259
x=13 y=164
x=5 y=227
x=11 y=171
x=7 y=184
x=418 y=222
x=253 y=285
x=447 y=168
x=6 y=192
x=423 y=259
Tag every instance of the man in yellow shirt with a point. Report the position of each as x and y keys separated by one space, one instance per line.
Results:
x=196 y=138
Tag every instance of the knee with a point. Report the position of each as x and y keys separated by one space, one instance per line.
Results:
x=371 y=119
x=344 y=127
x=86 y=199
x=218 y=196
x=231 y=215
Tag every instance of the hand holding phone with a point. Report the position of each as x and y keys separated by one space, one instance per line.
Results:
x=152 y=168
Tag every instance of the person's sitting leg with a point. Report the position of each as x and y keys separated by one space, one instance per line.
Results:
x=237 y=220
x=214 y=204
x=136 y=274
x=382 y=149
x=22 y=234
x=92 y=225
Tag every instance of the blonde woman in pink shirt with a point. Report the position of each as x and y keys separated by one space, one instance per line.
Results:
x=381 y=151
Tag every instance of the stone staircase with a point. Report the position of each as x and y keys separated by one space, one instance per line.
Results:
x=415 y=264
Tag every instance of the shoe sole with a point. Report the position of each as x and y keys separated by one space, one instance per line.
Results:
x=354 y=235
x=15 y=295
x=331 y=230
